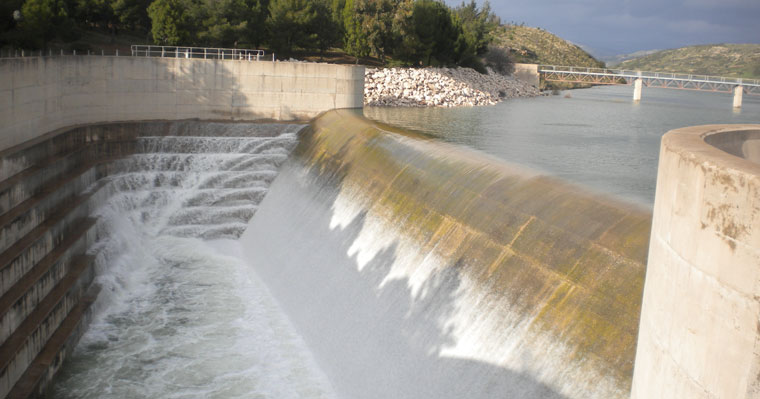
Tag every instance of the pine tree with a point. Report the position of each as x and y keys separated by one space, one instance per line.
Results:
x=354 y=42
x=291 y=24
x=170 y=22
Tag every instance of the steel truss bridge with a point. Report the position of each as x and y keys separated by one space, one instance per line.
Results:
x=602 y=76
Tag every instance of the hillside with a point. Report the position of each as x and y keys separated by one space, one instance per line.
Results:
x=731 y=60
x=537 y=46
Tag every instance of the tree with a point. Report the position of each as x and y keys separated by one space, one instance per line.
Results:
x=336 y=11
x=256 y=30
x=291 y=24
x=405 y=42
x=355 y=41
x=500 y=60
x=223 y=21
x=133 y=14
x=477 y=25
x=170 y=22
x=98 y=13
x=378 y=25
x=8 y=24
x=326 y=31
x=428 y=34
x=42 y=20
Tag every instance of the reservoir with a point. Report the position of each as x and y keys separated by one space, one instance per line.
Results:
x=597 y=137
x=239 y=261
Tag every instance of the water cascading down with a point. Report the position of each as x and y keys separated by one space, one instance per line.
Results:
x=178 y=315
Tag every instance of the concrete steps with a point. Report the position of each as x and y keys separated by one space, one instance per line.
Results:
x=29 y=214
x=30 y=181
x=40 y=372
x=45 y=277
x=26 y=342
x=35 y=284
x=30 y=249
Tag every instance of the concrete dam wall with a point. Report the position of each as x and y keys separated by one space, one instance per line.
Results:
x=39 y=95
x=417 y=269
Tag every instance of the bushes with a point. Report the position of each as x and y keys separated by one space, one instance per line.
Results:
x=499 y=59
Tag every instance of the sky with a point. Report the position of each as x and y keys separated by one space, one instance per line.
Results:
x=611 y=27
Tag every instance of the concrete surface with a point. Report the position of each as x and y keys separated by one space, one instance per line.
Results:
x=527 y=73
x=738 y=92
x=699 y=335
x=42 y=94
x=637 y=89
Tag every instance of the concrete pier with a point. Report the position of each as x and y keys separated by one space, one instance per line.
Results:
x=738 y=92
x=699 y=335
x=637 y=90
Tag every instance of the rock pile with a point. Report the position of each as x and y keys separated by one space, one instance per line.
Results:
x=440 y=87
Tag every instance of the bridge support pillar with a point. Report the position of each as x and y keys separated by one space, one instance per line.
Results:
x=738 y=91
x=637 y=90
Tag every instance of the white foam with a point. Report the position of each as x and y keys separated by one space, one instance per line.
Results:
x=177 y=316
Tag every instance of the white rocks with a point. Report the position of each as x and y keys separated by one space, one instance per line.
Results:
x=439 y=87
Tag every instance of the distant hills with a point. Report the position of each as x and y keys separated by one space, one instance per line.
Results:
x=537 y=46
x=614 y=60
x=730 y=60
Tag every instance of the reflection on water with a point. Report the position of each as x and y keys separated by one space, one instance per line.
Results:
x=597 y=137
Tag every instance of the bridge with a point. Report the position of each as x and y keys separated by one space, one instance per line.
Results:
x=603 y=76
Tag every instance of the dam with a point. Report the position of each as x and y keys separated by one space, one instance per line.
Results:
x=336 y=257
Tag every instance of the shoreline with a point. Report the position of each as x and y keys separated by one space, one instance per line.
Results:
x=440 y=87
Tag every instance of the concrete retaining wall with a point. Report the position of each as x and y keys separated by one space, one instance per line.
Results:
x=527 y=73
x=700 y=323
x=42 y=94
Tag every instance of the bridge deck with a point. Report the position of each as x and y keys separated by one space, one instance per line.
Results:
x=649 y=79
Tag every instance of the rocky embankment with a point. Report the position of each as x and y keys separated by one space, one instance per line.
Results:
x=440 y=87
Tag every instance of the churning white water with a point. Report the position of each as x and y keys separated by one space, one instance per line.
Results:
x=179 y=314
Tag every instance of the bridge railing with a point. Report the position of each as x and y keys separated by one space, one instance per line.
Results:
x=197 y=52
x=626 y=73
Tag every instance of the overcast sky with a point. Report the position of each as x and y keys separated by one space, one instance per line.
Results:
x=610 y=27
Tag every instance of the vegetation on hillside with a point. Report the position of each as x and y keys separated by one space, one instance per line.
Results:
x=537 y=46
x=400 y=32
x=730 y=60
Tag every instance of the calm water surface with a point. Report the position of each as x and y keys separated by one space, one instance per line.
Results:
x=597 y=137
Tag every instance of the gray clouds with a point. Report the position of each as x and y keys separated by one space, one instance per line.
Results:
x=623 y=26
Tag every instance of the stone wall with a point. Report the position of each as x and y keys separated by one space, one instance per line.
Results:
x=42 y=94
x=699 y=335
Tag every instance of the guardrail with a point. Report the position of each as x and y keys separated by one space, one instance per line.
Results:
x=197 y=52
x=625 y=73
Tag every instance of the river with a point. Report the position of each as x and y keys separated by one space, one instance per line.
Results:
x=595 y=137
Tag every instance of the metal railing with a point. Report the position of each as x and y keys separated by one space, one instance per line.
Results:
x=197 y=52
x=49 y=52
x=624 y=73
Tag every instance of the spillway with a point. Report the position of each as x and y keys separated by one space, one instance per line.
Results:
x=178 y=314
x=418 y=269
x=344 y=259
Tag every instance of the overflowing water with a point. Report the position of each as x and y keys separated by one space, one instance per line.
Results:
x=180 y=315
